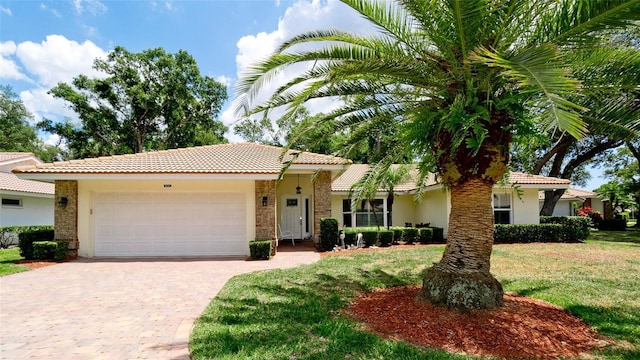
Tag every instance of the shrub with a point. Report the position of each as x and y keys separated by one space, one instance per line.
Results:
x=526 y=233
x=350 y=236
x=574 y=228
x=398 y=233
x=328 y=233
x=370 y=237
x=385 y=237
x=9 y=234
x=410 y=235
x=613 y=225
x=260 y=249
x=50 y=250
x=28 y=237
x=438 y=235
x=425 y=235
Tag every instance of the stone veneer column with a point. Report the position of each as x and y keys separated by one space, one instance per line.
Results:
x=266 y=215
x=321 y=200
x=66 y=218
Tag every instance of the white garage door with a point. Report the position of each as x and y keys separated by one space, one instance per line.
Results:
x=170 y=224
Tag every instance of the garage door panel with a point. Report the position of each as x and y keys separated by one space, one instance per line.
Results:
x=160 y=224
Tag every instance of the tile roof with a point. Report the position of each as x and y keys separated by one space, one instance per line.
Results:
x=572 y=193
x=356 y=171
x=11 y=182
x=7 y=156
x=237 y=158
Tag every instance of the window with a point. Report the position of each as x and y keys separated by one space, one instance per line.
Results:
x=367 y=214
x=502 y=208
x=11 y=202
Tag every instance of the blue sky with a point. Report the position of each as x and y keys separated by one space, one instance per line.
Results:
x=45 y=42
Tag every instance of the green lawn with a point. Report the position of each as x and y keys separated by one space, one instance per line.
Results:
x=7 y=259
x=297 y=313
x=632 y=235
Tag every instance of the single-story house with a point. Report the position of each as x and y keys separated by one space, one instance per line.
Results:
x=24 y=202
x=515 y=202
x=573 y=199
x=212 y=200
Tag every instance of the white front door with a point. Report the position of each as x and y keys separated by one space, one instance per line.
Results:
x=295 y=215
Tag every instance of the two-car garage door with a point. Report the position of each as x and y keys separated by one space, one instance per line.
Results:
x=170 y=224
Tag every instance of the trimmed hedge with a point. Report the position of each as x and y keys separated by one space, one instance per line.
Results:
x=613 y=225
x=329 y=232
x=350 y=237
x=411 y=235
x=425 y=236
x=9 y=234
x=438 y=235
x=370 y=237
x=385 y=237
x=260 y=249
x=526 y=233
x=28 y=237
x=50 y=250
x=574 y=228
x=398 y=234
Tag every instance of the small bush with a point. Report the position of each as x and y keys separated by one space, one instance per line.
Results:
x=370 y=237
x=438 y=235
x=260 y=249
x=526 y=233
x=350 y=236
x=28 y=237
x=613 y=225
x=410 y=235
x=50 y=250
x=574 y=228
x=398 y=234
x=385 y=237
x=425 y=235
x=329 y=232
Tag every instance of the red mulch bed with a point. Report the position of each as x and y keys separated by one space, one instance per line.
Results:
x=36 y=264
x=522 y=329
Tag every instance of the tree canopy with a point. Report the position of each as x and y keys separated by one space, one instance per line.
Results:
x=455 y=80
x=151 y=100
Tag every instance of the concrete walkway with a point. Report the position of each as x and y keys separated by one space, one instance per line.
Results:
x=116 y=308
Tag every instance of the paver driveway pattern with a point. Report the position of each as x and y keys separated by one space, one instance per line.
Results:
x=114 y=308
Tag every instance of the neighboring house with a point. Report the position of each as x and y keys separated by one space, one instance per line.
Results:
x=573 y=199
x=24 y=202
x=213 y=200
x=514 y=203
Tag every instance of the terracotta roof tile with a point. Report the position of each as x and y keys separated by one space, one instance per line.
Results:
x=572 y=193
x=356 y=171
x=6 y=156
x=11 y=182
x=238 y=158
x=528 y=179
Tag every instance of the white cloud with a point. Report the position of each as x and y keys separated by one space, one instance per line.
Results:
x=224 y=80
x=58 y=59
x=9 y=70
x=302 y=16
x=42 y=105
x=6 y=10
x=52 y=139
x=93 y=7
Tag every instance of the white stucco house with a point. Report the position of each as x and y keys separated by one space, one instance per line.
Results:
x=24 y=202
x=213 y=200
x=573 y=199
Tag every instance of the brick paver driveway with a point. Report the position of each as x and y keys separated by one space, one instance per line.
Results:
x=115 y=309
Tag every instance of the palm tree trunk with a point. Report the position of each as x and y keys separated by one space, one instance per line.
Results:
x=462 y=279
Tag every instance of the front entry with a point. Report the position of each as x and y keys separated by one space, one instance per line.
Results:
x=294 y=216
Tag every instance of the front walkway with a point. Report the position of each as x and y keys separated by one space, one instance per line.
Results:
x=116 y=308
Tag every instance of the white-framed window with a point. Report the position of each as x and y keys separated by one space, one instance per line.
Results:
x=368 y=213
x=11 y=202
x=502 y=208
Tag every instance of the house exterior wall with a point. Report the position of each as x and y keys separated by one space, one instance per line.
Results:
x=266 y=215
x=597 y=205
x=434 y=208
x=287 y=187
x=35 y=210
x=404 y=210
x=524 y=207
x=563 y=207
x=321 y=200
x=66 y=218
x=88 y=188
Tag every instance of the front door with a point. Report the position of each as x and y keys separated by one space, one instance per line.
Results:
x=295 y=215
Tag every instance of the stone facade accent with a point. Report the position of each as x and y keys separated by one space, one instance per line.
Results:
x=66 y=217
x=266 y=226
x=321 y=200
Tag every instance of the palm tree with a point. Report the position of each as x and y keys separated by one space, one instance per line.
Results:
x=456 y=78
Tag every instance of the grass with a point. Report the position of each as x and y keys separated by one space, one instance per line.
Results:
x=297 y=313
x=7 y=259
x=632 y=235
